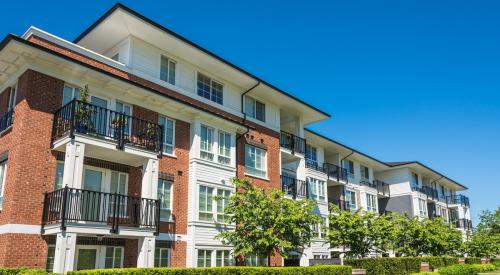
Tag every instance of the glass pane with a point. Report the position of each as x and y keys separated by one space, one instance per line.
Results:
x=250 y=106
x=114 y=182
x=92 y=180
x=86 y=259
x=67 y=95
x=260 y=112
x=171 y=73
x=58 y=182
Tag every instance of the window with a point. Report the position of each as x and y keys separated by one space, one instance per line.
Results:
x=116 y=57
x=350 y=200
x=371 y=203
x=414 y=179
x=365 y=172
x=3 y=176
x=223 y=258
x=165 y=197
x=320 y=256
x=222 y=204
x=317 y=188
x=168 y=134
x=349 y=166
x=70 y=93
x=209 y=89
x=162 y=257
x=255 y=161
x=422 y=206
x=204 y=258
x=12 y=98
x=311 y=154
x=255 y=260
x=50 y=258
x=205 y=203
x=224 y=143
x=207 y=143
x=167 y=70
x=58 y=181
x=255 y=109
x=113 y=257
x=323 y=227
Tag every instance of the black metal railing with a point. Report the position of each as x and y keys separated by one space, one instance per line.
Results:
x=292 y=142
x=368 y=182
x=335 y=172
x=431 y=192
x=88 y=119
x=463 y=223
x=6 y=120
x=314 y=165
x=417 y=188
x=458 y=199
x=294 y=187
x=382 y=188
x=71 y=205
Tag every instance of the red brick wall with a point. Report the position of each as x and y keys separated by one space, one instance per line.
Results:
x=22 y=250
x=178 y=257
x=131 y=253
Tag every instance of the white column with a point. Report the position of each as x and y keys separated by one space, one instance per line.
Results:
x=146 y=252
x=64 y=257
x=150 y=179
x=73 y=164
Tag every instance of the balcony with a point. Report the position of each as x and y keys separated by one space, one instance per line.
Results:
x=431 y=193
x=293 y=143
x=463 y=224
x=382 y=188
x=6 y=120
x=367 y=182
x=71 y=206
x=82 y=118
x=335 y=172
x=458 y=200
x=294 y=187
x=312 y=164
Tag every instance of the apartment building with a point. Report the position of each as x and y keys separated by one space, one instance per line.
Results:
x=125 y=176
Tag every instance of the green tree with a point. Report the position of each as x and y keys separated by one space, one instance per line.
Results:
x=409 y=236
x=485 y=241
x=440 y=238
x=267 y=222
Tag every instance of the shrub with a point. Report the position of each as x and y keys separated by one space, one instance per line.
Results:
x=484 y=267
x=496 y=262
x=21 y=271
x=425 y=273
x=463 y=269
x=399 y=265
x=472 y=260
x=311 y=270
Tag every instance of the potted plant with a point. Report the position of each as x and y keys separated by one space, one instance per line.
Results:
x=151 y=135
x=83 y=114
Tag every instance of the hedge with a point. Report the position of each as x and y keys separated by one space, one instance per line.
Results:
x=399 y=265
x=21 y=271
x=310 y=270
x=472 y=260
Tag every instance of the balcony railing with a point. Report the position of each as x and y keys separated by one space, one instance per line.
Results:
x=293 y=143
x=87 y=119
x=463 y=224
x=6 y=120
x=382 y=188
x=294 y=187
x=367 y=182
x=335 y=172
x=431 y=192
x=71 y=205
x=312 y=164
x=458 y=199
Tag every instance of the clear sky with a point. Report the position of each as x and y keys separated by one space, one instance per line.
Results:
x=403 y=80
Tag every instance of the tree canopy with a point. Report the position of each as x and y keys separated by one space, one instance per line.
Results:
x=485 y=241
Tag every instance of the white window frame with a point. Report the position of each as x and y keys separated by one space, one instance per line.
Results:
x=169 y=61
x=349 y=165
x=371 y=203
x=223 y=202
x=165 y=143
x=50 y=260
x=122 y=252
x=363 y=170
x=163 y=181
x=318 y=189
x=207 y=153
x=222 y=157
x=208 y=198
x=422 y=210
x=254 y=171
x=3 y=177
x=212 y=82
x=260 y=260
x=414 y=176
x=224 y=251
x=206 y=253
x=214 y=212
x=311 y=154
x=162 y=250
x=253 y=113
x=58 y=164
x=352 y=195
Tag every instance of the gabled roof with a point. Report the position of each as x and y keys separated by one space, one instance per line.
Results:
x=120 y=6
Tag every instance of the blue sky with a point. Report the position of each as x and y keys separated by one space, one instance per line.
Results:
x=403 y=80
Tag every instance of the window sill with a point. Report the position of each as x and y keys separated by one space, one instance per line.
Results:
x=173 y=156
x=257 y=177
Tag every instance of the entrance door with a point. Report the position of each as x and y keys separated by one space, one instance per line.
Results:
x=86 y=258
x=94 y=202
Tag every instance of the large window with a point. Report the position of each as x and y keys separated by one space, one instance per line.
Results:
x=311 y=154
x=204 y=258
x=350 y=200
x=162 y=257
x=414 y=179
x=209 y=89
x=255 y=109
x=224 y=143
x=50 y=258
x=255 y=161
x=207 y=143
x=69 y=93
x=422 y=207
x=165 y=197
x=255 y=260
x=114 y=257
x=371 y=203
x=3 y=176
x=167 y=70
x=223 y=258
x=222 y=204
x=58 y=180
x=168 y=134
x=349 y=166
x=205 y=203
x=317 y=188
x=365 y=172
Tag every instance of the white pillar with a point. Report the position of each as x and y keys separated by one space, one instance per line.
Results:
x=146 y=252
x=150 y=179
x=64 y=257
x=73 y=164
